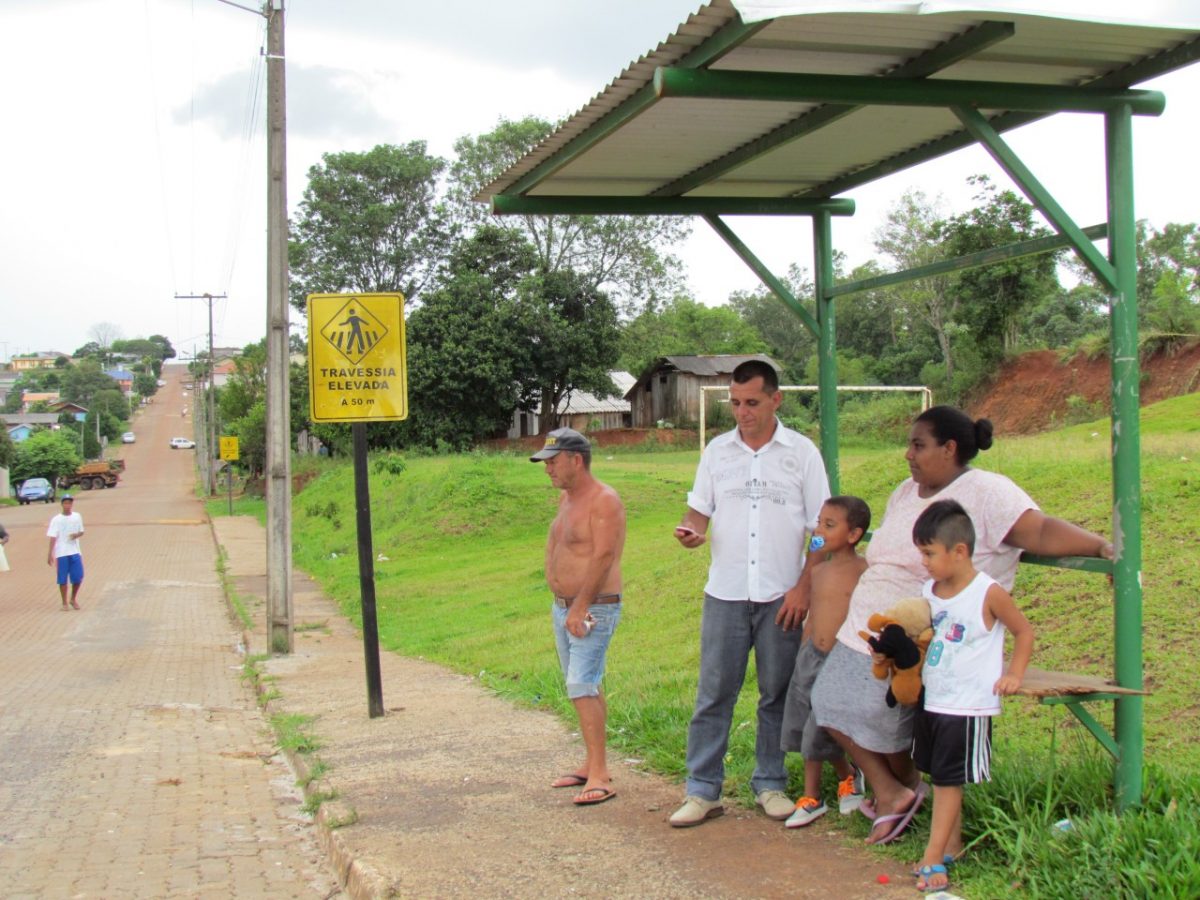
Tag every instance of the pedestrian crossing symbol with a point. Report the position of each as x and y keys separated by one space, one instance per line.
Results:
x=356 y=365
x=353 y=331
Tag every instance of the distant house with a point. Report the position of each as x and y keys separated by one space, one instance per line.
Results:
x=62 y=406
x=222 y=371
x=123 y=377
x=31 y=397
x=669 y=390
x=22 y=425
x=582 y=411
x=39 y=360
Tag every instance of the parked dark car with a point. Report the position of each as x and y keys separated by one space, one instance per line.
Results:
x=32 y=489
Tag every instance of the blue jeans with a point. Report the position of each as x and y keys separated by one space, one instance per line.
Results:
x=728 y=631
x=582 y=659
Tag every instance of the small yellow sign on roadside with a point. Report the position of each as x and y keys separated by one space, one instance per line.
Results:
x=229 y=448
x=357 y=370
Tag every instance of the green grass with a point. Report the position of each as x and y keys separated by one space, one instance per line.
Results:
x=463 y=586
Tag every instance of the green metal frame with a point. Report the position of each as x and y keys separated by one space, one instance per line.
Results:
x=907 y=86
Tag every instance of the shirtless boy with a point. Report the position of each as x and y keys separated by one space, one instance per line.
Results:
x=842 y=523
x=583 y=570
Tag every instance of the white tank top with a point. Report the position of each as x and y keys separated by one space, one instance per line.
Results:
x=964 y=659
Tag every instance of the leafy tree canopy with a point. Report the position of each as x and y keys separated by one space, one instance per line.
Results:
x=628 y=256
x=82 y=381
x=45 y=454
x=686 y=327
x=368 y=222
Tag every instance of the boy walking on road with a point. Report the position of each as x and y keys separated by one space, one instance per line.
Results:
x=64 y=532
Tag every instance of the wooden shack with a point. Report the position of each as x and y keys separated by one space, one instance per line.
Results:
x=669 y=390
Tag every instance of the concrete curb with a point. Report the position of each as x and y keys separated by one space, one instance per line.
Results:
x=360 y=880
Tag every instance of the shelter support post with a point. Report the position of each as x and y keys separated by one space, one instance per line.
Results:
x=826 y=345
x=1126 y=455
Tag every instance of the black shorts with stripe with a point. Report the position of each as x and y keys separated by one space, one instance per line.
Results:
x=953 y=750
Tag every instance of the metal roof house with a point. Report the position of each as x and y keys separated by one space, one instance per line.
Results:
x=780 y=107
x=669 y=390
x=582 y=411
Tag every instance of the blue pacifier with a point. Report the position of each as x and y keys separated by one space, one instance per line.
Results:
x=816 y=543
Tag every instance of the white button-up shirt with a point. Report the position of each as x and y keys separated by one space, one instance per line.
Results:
x=760 y=503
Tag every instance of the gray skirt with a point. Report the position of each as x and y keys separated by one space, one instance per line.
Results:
x=849 y=699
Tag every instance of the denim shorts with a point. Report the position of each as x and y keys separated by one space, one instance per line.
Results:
x=582 y=659
x=70 y=567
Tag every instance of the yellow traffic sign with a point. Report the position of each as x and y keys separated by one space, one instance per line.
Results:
x=229 y=448
x=356 y=364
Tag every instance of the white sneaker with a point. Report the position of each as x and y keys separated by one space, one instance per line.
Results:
x=850 y=792
x=807 y=811
x=695 y=810
x=775 y=804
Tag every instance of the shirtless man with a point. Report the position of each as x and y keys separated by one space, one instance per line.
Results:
x=583 y=570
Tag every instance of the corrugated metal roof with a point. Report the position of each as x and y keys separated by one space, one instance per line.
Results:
x=702 y=366
x=582 y=402
x=647 y=152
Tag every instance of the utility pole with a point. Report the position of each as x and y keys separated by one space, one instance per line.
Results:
x=279 y=450
x=211 y=430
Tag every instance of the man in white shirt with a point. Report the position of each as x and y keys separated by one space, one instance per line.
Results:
x=761 y=486
x=64 y=532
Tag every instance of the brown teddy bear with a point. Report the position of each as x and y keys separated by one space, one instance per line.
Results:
x=904 y=633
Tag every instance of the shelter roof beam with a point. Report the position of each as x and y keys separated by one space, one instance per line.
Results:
x=774 y=285
x=968 y=261
x=982 y=131
x=511 y=205
x=859 y=90
x=960 y=47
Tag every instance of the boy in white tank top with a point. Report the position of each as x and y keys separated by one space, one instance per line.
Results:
x=964 y=676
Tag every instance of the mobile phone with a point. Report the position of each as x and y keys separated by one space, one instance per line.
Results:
x=684 y=530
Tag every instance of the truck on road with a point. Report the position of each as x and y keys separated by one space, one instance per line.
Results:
x=98 y=474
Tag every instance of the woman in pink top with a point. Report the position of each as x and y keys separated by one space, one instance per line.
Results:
x=847 y=700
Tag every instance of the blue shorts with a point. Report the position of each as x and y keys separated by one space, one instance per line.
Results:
x=582 y=659
x=70 y=567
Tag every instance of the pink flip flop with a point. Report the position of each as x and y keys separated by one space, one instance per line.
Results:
x=903 y=819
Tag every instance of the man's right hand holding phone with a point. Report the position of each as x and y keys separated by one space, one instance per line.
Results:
x=688 y=536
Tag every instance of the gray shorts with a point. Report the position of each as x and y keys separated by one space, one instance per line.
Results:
x=800 y=730
x=849 y=699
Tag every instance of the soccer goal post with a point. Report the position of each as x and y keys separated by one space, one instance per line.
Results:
x=925 y=393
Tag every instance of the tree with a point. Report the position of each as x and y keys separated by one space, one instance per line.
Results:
x=8 y=450
x=685 y=326
x=104 y=333
x=82 y=381
x=466 y=349
x=911 y=236
x=571 y=337
x=45 y=454
x=628 y=256
x=1169 y=278
x=368 y=222
x=787 y=338
x=994 y=299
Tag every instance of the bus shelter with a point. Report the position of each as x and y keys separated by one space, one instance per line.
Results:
x=782 y=107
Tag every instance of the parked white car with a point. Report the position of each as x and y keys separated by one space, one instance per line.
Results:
x=182 y=443
x=128 y=438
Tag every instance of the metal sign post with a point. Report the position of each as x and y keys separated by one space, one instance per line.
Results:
x=357 y=373
x=229 y=453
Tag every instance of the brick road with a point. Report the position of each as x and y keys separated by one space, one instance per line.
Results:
x=134 y=761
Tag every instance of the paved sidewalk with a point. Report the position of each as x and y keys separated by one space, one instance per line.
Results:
x=134 y=762
x=447 y=794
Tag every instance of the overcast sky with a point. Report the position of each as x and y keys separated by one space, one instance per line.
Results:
x=133 y=156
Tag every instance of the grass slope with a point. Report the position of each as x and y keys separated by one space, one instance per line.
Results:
x=461 y=584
